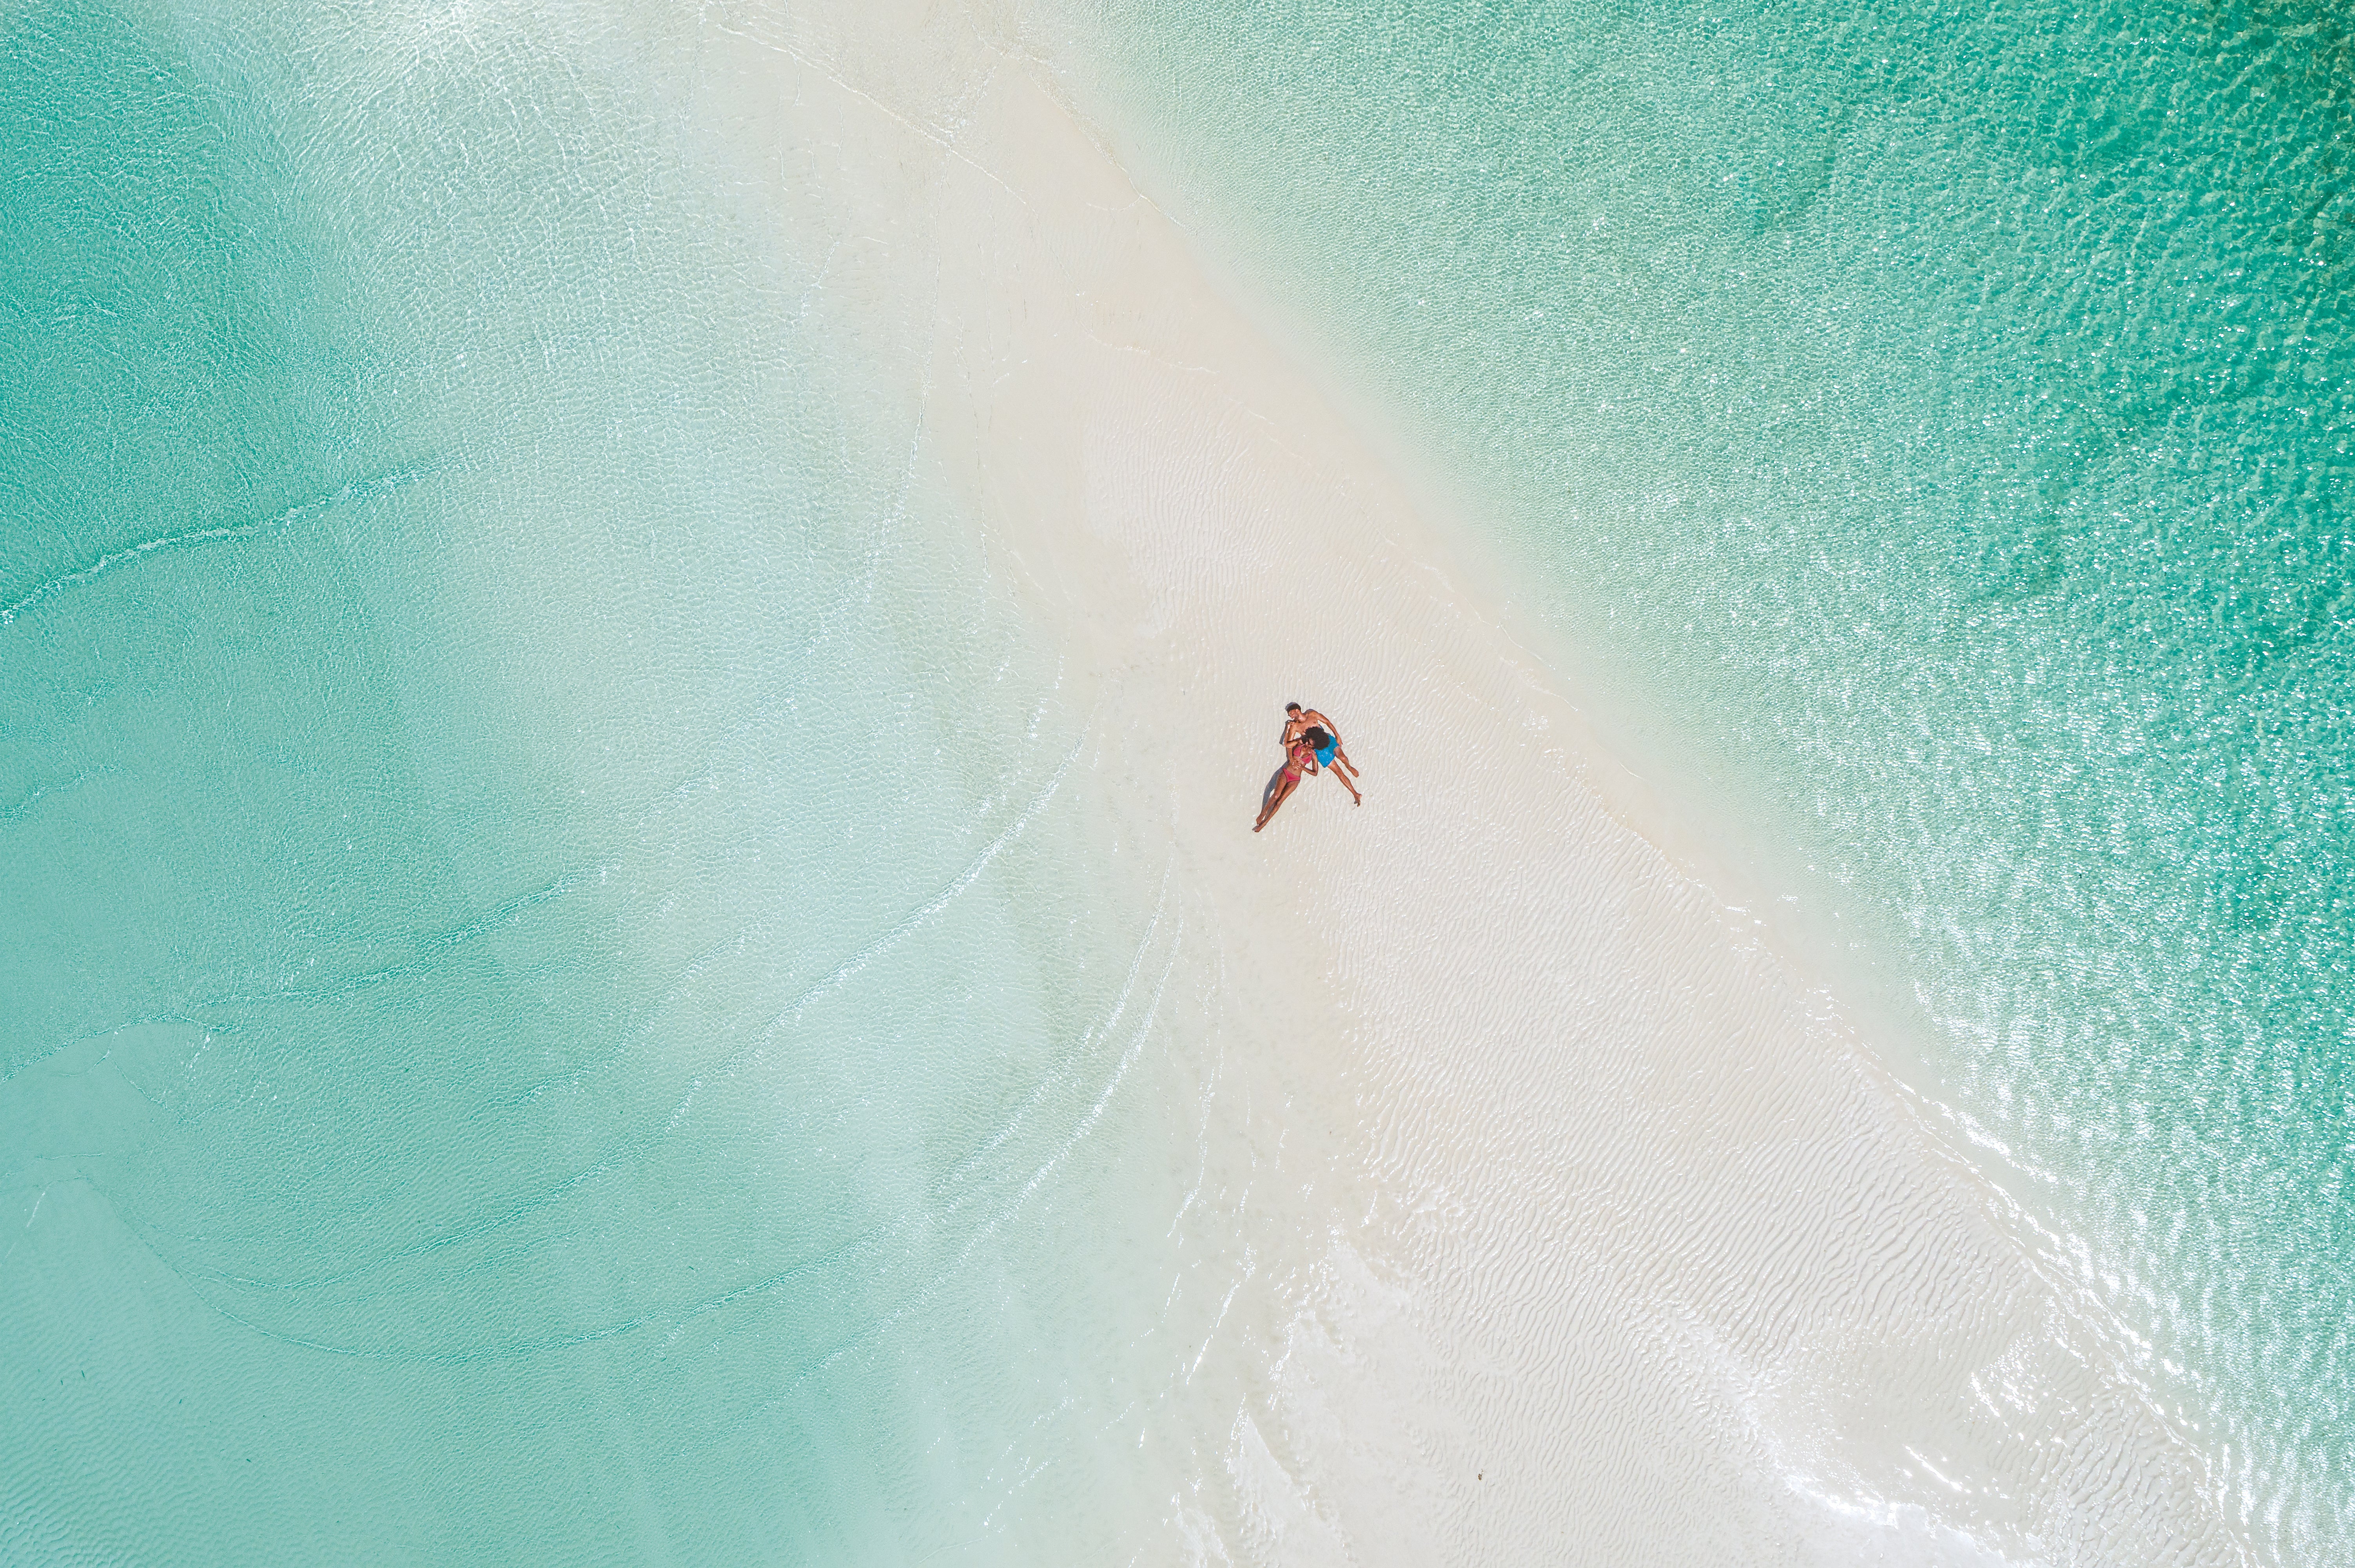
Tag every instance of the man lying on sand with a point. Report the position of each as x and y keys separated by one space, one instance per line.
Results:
x=1299 y=722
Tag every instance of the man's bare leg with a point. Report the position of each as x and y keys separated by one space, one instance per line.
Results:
x=1314 y=720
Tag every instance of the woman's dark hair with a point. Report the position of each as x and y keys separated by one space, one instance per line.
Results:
x=1318 y=738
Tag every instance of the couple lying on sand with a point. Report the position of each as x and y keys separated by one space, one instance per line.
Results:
x=1310 y=744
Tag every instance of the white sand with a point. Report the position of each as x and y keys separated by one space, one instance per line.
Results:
x=1630 y=1251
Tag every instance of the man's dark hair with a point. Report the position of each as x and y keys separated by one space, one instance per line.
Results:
x=1318 y=739
x=1292 y=707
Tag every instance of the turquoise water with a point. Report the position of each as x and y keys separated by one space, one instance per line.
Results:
x=552 y=1003
x=559 y=999
x=1929 y=427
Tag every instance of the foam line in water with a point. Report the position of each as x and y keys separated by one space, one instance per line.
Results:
x=357 y=490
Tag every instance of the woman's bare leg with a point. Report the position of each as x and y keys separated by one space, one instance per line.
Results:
x=1290 y=782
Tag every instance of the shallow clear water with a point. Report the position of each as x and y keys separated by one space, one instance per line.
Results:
x=559 y=998
x=1929 y=426
x=554 y=1003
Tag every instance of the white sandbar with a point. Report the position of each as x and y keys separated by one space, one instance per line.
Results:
x=1636 y=1253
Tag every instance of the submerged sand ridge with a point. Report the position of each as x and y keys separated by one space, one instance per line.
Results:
x=1604 y=1237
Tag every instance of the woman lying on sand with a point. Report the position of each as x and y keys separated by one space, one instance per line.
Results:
x=1298 y=754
